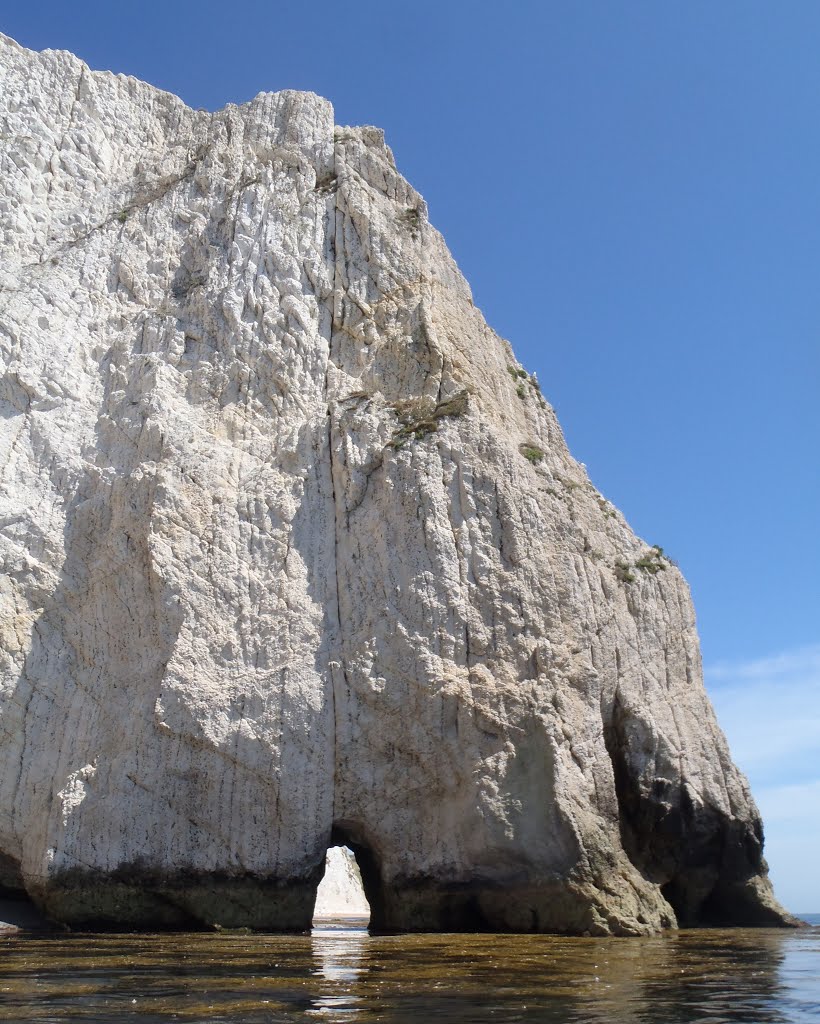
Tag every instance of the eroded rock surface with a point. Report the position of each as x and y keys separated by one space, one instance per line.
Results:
x=294 y=549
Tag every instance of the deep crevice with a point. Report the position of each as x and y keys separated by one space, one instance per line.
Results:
x=337 y=646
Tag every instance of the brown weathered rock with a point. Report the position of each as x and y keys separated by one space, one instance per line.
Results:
x=293 y=549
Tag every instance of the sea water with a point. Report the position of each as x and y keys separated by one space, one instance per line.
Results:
x=339 y=973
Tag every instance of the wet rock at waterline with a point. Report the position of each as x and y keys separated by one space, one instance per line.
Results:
x=294 y=553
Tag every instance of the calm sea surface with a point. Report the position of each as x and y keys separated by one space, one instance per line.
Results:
x=340 y=973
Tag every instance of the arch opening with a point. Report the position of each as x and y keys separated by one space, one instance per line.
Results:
x=341 y=895
x=351 y=887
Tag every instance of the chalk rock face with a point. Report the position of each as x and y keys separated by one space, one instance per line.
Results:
x=294 y=553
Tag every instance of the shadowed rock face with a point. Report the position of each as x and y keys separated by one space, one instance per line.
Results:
x=294 y=551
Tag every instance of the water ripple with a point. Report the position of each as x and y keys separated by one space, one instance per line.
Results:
x=342 y=974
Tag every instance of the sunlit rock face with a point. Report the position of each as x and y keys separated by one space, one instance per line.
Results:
x=294 y=552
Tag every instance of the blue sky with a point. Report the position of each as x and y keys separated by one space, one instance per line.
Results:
x=633 y=191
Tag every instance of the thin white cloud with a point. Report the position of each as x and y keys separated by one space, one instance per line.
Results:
x=798 y=803
x=769 y=709
x=797 y=663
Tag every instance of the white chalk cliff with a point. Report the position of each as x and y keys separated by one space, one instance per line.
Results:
x=294 y=553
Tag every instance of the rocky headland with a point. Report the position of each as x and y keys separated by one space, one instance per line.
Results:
x=294 y=553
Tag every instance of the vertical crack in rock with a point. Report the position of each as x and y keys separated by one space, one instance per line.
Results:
x=294 y=552
x=337 y=662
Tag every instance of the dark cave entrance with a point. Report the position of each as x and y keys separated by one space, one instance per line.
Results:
x=16 y=906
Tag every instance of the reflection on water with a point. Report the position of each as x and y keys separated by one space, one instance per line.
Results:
x=339 y=954
x=340 y=973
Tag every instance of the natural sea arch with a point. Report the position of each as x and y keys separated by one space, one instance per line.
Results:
x=341 y=893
